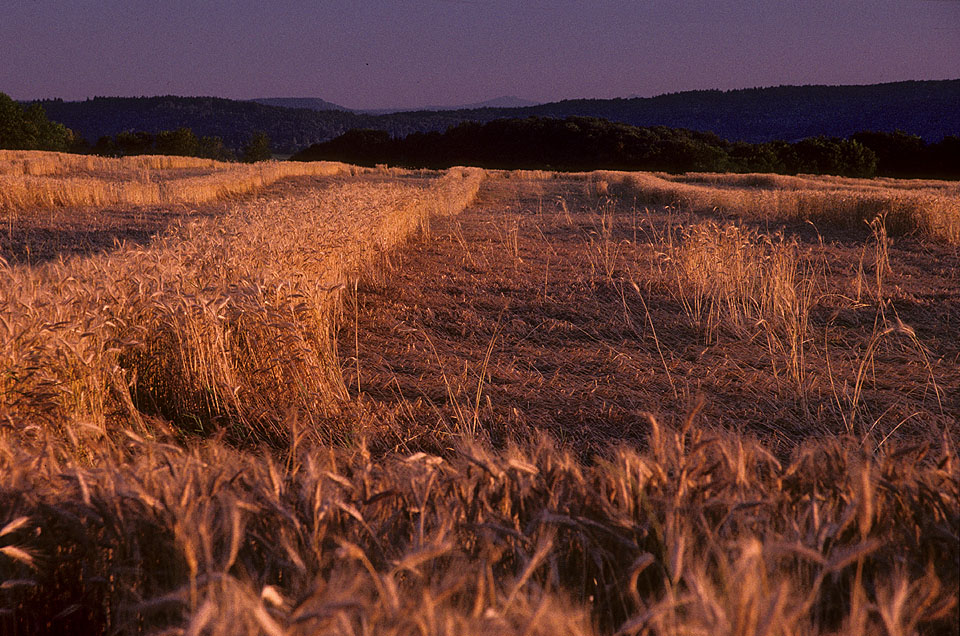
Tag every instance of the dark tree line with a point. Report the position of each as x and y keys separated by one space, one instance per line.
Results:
x=584 y=143
x=28 y=128
x=180 y=142
x=910 y=157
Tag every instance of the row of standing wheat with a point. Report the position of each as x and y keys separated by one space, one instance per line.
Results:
x=31 y=182
x=930 y=209
x=700 y=533
x=226 y=319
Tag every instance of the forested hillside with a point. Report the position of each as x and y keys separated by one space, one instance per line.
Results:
x=927 y=109
x=311 y=103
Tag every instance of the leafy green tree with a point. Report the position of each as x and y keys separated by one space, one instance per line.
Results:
x=589 y=143
x=744 y=157
x=29 y=129
x=898 y=154
x=943 y=158
x=107 y=146
x=180 y=142
x=136 y=143
x=11 y=124
x=213 y=148
x=257 y=149
x=856 y=160
x=845 y=157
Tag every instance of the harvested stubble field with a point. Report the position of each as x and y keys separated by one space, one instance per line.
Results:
x=371 y=402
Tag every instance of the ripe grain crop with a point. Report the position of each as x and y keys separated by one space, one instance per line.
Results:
x=808 y=181
x=702 y=532
x=38 y=163
x=749 y=284
x=184 y=450
x=745 y=282
x=32 y=181
x=223 y=319
x=925 y=208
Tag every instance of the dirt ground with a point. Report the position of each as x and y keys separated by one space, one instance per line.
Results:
x=546 y=307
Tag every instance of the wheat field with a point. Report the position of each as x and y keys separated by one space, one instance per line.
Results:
x=35 y=180
x=353 y=401
x=926 y=208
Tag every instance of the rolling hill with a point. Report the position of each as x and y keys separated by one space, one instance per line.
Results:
x=312 y=103
x=924 y=108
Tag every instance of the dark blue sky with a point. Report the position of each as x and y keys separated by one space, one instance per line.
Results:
x=393 y=53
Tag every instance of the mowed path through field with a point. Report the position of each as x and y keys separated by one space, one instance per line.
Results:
x=550 y=305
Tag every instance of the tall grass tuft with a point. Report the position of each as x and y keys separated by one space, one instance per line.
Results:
x=739 y=281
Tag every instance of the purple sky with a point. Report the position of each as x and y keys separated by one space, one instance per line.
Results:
x=403 y=53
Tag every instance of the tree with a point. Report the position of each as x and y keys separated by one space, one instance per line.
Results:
x=856 y=160
x=944 y=158
x=29 y=129
x=845 y=157
x=136 y=143
x=587 y=143
x=213 y=148
x=12 y=135
x=107 y=146
x=898 y=154
x=181 y=142
x=257 y=149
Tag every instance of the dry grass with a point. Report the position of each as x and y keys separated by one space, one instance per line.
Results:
x=597 y=311
x=746 y=283
x=806 y=182
x=741 y=284
x=728 y=275
x=33 y=181
x=928 y=209
x=39 y=163
x=701 y=533
x=225 y=320
x=184 y=448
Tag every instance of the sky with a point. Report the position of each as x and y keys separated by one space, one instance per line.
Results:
x=408 y=53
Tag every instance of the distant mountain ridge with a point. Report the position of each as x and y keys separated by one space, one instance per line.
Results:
x=928 y=109
x=507 y=101
x=315 y=103
x=312 y=103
